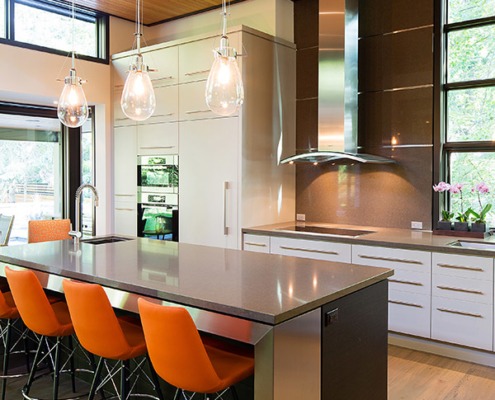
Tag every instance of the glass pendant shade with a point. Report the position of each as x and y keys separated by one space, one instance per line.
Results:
x=224 y=88
x=138 y=98
x=72 y=107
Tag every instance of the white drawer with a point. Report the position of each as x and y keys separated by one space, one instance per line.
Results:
x=318 y=250
x=256 y=243
x=410 y=281
x=410 y=260
x=462 y=322
x=463 y=266
x=409 y=313
x=454 y=287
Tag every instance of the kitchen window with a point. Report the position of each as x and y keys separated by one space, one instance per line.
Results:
x=2 y=20
x=46 y=25
x=467 y=101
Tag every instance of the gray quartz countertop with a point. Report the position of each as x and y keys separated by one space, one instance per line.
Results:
x=387 y=237
x=264 y=288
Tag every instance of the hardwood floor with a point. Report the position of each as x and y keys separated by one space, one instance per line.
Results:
x=414 y=375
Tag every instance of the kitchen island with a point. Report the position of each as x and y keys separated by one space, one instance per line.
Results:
x=316 y=327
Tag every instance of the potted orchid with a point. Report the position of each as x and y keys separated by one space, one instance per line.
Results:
x=446 y=222
x=462 y=223
x=479 y=218
x=462 y=217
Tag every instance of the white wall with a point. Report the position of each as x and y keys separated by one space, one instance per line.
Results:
x=274 y=17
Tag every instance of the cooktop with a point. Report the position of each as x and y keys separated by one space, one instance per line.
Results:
x=326 y=230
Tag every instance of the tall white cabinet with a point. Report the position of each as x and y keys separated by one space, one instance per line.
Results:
x=229 y=172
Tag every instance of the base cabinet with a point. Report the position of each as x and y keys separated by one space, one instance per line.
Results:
x=354 y=346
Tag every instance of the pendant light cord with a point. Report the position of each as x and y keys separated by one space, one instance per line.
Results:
x=73 y=36
x=138 y=26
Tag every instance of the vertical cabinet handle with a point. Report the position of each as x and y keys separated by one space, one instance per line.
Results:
x=226 y=187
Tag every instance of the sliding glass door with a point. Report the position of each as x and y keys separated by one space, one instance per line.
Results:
x=31 y=172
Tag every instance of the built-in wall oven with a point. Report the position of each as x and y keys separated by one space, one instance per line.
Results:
x=158 y=197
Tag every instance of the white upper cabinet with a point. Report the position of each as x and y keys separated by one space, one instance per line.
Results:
x=156 y=139
x=192 y=103
x=165 y=63
x=167 y=108
x=196 y=57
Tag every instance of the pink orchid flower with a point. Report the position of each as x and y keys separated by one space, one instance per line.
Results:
x=456 y=188
x=441 y=187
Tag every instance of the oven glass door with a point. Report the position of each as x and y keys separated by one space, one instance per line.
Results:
x=158 y=222
x=159 y=172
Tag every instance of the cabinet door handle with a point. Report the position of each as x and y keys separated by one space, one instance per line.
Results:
x=463 y=267
x=255 y=244
x=124 y=209
x=405 y=282
x=124 y=195
x=163 y=115
x=165 y=78
x=467 y=314
x=156 y=147
x=204 y=71
x=226 y=187
x=401 y=260
x=333 y=253
x=404 y=303
x=455 y=289
x=198 y=111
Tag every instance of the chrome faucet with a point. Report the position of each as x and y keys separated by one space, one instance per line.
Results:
x=76 y=234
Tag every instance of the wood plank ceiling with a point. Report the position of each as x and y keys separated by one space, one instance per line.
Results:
x=154 y=11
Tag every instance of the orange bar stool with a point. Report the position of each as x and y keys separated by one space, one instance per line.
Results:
x=103 y=334
x=49 y=320
x=181 y=358
x=10 y=314
x=48 y=230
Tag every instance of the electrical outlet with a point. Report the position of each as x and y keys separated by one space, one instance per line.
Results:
x=300 y=217
x=416 y=225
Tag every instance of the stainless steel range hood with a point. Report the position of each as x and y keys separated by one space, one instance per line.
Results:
x=337 y=87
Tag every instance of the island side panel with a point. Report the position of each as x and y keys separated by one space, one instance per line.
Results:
x=354 y=345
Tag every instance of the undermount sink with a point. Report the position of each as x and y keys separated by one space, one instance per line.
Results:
x=105 y=240
x=468 y=244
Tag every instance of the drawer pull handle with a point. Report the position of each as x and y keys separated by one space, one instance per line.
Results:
x=124 y=195
x=467 y=314
x=333 y=253
x=255 y=244
x=405 y=282
x=204 y=71
x=390 y=259
x=124 y=209
x=404 y=303
x=454 y=289
x=197 y=111
x=477 y=269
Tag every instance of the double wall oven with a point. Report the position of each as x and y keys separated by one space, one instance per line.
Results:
x=158 y=197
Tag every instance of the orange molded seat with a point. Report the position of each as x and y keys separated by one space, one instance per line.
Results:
x=101 y=332
x=8 y=311
x=180 y=357
x=42 y=317
x=48 y=230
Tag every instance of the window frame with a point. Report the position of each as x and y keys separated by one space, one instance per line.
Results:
x=62 y=8
x=444 y=149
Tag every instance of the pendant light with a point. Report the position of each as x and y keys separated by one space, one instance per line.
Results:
x=138 y=98
x=72 y=109
x=224 y=90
